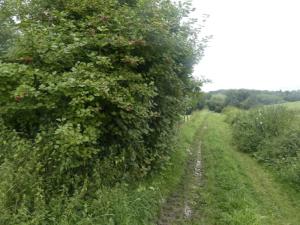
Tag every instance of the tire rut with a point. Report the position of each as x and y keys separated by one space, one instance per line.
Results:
x=178 y=208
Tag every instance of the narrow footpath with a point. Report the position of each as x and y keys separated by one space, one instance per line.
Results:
x=222 y=186
x=179 y=207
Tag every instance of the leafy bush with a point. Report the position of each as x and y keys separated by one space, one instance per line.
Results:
x=231 y=114
x=216 y=103
x=272 y=135
x=283 y=154
x=252 y=128
x=91 y=93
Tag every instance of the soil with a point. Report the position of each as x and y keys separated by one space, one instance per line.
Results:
x=178 y=208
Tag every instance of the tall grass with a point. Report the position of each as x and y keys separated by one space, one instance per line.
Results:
x=135 y=203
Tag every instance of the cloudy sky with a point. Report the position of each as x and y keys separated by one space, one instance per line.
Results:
x=256 y=44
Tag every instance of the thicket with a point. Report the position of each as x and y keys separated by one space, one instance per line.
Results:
x=91 y=93
x=272 y=135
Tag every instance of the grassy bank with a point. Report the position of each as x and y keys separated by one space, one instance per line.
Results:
x=236 y=189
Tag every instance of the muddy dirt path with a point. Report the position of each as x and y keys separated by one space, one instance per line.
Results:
x=178 y=208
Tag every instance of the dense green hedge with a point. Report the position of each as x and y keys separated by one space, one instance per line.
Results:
x=91 y=91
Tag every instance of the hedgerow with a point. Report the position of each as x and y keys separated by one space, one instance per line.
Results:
x=91 y=91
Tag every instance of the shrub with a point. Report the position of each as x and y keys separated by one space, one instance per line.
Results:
x=98 y=82
x=272 y=135
x=231 y=113
x=251 y=128
x=283 y=154
x=216 y=103
x=91 y=93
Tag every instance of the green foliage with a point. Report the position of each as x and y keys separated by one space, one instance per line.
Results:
x=231 y=114
x=272 y=134
x=7 y=30
x=282 y=154
x=246 y=99
x=236 y=189
x=91 y=94
x=128 y=204
x=251 y=128
x=195 y=98
x=216 y=102
x=292 y=96
x=236 y=97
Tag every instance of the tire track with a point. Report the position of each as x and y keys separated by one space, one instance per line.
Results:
x=178 y=208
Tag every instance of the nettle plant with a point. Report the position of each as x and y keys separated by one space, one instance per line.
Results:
x=94 y=87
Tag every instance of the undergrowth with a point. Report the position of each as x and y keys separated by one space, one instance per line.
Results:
x=133 y=203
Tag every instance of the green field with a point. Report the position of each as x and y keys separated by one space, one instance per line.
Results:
x=292 y=105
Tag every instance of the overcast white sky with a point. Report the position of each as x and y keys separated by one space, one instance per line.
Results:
x=256 y=44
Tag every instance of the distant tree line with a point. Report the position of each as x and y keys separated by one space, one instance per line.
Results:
x=246 y=99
